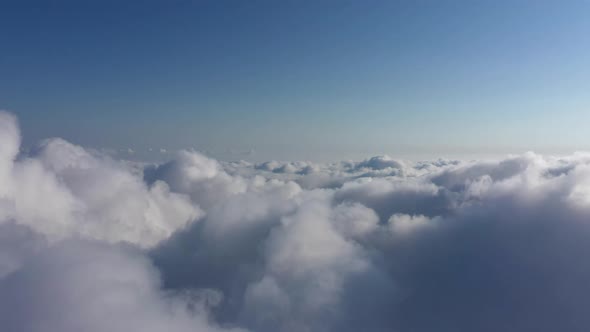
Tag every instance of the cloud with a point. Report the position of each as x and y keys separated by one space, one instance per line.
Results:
x=380 y=163
x=87 y=286
x=296 y=167
x=61 y=190
x=91 y=243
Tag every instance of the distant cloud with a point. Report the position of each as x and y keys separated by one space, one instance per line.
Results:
x=380 y=162
x=92 y=243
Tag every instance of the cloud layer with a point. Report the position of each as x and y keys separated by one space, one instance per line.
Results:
x=90 y=243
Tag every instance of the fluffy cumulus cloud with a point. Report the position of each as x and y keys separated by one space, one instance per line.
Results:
x=92 y=243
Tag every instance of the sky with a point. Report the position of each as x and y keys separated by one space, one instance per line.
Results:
x=300 y=79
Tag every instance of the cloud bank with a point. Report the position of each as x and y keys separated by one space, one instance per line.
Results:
x=90 y=243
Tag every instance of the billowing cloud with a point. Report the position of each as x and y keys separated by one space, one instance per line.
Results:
x=61 y=190
x=92 y=243
x=88 y=286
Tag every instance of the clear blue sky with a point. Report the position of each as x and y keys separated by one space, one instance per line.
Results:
x=299 y=78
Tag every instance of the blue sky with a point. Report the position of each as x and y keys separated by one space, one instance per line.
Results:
x=300 y=79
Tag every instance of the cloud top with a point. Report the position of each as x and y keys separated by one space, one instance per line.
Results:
x=92 y=243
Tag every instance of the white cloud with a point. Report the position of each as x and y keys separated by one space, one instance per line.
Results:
x=403 y=224
x=90 y=243
x=61 y=190
x=86 y=286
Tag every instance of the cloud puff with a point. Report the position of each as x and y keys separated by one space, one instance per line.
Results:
x=296 y=167
x=61 y=190
x=91 y=243
x=380 y=162
x=87 y=286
